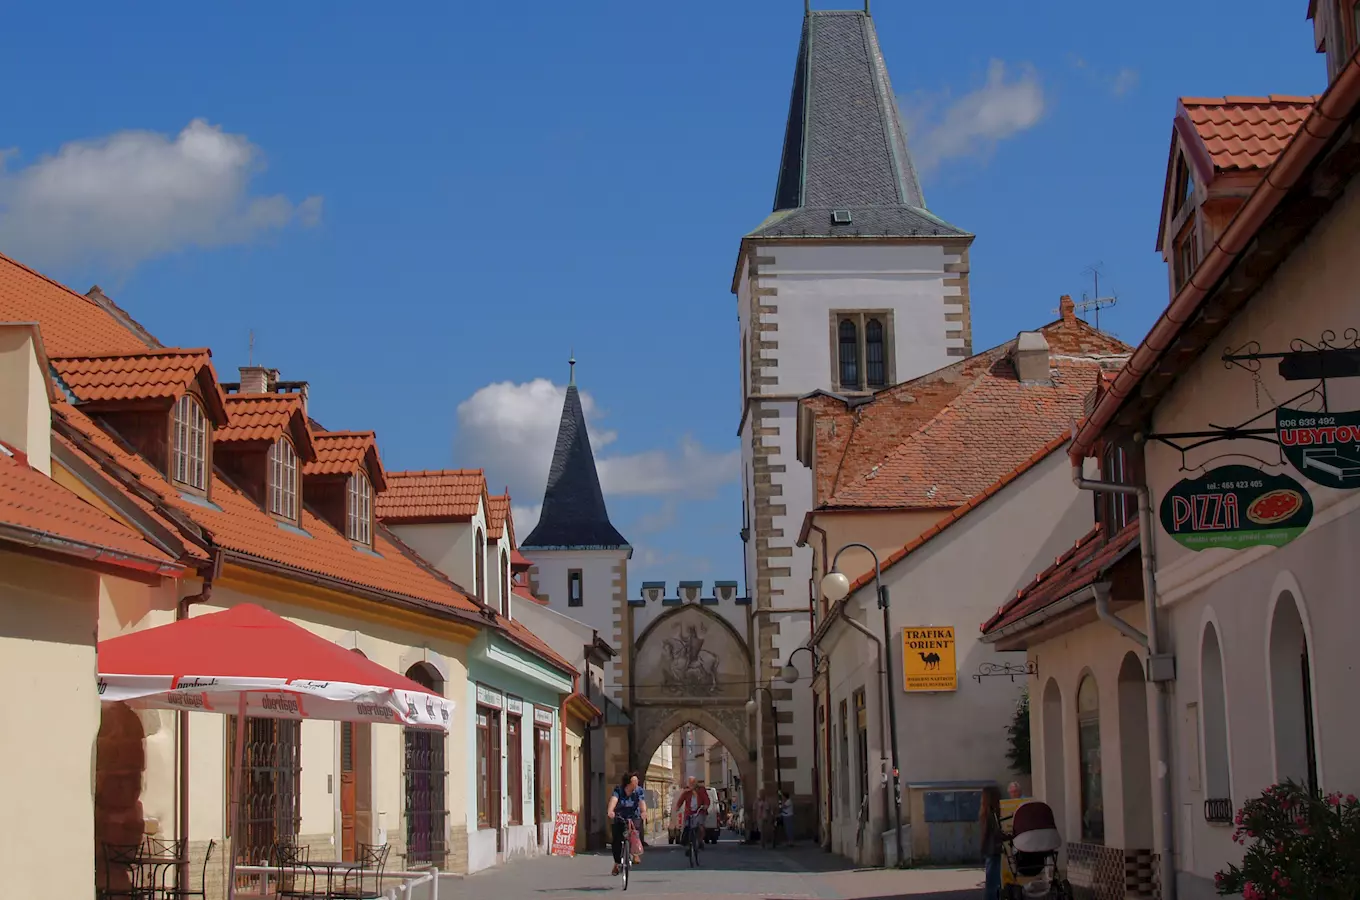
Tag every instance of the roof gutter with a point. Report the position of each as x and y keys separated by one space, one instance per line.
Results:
x=1317 y=130
x=45 y=540
x=1039 y=616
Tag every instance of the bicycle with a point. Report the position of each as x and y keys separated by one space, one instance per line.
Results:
x=628 y=852
x=693 y=841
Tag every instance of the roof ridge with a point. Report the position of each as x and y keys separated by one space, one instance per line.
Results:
x=150 y=351
x=426 y=473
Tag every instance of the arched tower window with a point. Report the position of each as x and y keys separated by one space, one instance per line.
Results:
x=875 y=361
x=849 y=354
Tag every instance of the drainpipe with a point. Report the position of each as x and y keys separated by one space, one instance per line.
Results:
x=1161 y=668
x=1101 y=593
x=182 y=613
x=839 y=611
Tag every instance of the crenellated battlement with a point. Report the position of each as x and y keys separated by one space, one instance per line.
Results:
x=724 y=592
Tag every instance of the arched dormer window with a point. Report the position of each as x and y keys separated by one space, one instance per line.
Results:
x=359 y=509
x=505 y=584
x=481 y=565
x=283 y=479
x=189 y=453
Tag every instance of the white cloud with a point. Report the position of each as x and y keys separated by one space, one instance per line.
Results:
x=973 y=124
x=657 y=520
x=1125 y=80
x=526 y=517
x=135 y=195
x=511 y=428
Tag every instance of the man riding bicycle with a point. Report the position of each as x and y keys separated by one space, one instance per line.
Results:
x=694 y=800
x=626 y=807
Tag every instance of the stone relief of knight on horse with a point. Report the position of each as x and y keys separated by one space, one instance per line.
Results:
x=688 y=668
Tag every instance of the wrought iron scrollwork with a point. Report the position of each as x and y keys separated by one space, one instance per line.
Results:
x=1011 y=670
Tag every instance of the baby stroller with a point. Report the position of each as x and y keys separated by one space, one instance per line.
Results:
x=1029 y=868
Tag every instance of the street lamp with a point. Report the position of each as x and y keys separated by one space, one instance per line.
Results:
x=774 y=717
x=836 y=587
x=790 y=671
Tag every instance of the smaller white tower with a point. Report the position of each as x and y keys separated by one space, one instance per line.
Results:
x=580 y=559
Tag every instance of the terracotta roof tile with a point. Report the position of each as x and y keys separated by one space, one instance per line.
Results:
x=72 y=324
x=519 y=560
x=429 y=496
x=238 y=524
x=497 y=511
x=1081 y=566
x=32 y=502
x=1245 y=133
x=959 y=512
x=345 y=452
x=941 y=427
x=258 y=417
x=151 y=374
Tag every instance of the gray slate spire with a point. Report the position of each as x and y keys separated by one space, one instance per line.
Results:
x=574 y=515
x=845 y=169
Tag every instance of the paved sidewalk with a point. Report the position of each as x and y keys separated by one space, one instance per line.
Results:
x=728 y=870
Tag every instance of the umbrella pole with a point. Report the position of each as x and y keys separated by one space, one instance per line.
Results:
x=236 y=767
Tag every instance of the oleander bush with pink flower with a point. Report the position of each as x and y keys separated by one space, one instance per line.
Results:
x=1299 y=845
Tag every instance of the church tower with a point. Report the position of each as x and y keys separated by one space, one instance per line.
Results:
x=850 y=285
x=580 y=561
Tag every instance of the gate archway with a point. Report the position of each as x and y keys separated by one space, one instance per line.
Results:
x=691 y=667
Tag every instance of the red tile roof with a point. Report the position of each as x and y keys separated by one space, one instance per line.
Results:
x=72 y=324
x=238 y=524
x=35 y=510
x=345 y=452
x=519 y=560
x=151 y=374
x=959 y=512
x=497 y=513
x=936 y=441
x=1079 y=567
x=431 y=496
x=267 y=417
x=1246 y=133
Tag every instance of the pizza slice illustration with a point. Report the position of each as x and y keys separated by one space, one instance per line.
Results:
x=1274 y=506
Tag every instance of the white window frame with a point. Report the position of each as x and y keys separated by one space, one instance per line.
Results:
x=359 y=509
x=189 y=448
x=283 y=479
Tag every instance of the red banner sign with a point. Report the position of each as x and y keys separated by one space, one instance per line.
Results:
x=564 y=834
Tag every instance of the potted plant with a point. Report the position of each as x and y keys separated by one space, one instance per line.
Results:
x=1298 y=844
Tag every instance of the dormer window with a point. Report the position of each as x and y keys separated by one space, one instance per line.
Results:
x=359 y=509
x=189 y=453
x=283 y=479
x=481 y=565
x=1184 y=186
x=505 y=584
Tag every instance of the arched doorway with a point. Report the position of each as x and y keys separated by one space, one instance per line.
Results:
x=426 y=779
x=1055 y=766
x=1134 y=754
x=1291 y=695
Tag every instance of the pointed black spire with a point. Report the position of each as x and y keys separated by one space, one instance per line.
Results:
x=845 y=169
x=574 y=515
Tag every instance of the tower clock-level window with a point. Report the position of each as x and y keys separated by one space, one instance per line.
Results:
x=862 y=353
x=574 y=588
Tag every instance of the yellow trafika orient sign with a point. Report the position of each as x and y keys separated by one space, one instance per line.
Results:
x=928 y=660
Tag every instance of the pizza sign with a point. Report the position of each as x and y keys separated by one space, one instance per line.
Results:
x=1236 y=507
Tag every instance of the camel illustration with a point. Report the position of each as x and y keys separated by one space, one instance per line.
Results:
x=932 y=660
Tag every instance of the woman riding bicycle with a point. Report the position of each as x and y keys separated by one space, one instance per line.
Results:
x=694 y=800
x=625 y=806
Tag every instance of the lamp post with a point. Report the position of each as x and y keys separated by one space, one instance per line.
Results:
x=790 y=671
x=836 y=587
x=774 y=717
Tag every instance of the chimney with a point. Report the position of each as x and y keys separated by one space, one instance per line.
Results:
x=258 y=380
x=1067 y=308
x=25 y=404
x=1030 y=358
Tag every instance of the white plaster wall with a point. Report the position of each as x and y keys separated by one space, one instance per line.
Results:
x=813 y=280
x=47 y=650
x=25 y=416
x=564 y=634
x=448 y=546
x=598 y=608
x=1019 y=531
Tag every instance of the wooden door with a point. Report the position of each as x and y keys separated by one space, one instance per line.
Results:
x=349 y=806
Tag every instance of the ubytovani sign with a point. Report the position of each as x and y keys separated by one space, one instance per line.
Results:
x=928 y=659
x=1323 y=446
x=1236 y=507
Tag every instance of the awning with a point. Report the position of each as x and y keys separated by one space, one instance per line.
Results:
x=208 y=663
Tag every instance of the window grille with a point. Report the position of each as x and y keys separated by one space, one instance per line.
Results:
x=283 y=479
x=189 y=462
x=360 y=509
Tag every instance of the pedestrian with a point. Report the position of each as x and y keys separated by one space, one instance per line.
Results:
x=1015 y=790
x=989 y=818
x=786 y=813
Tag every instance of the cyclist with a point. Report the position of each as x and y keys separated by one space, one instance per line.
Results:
x=694 y=800
x=625 y=805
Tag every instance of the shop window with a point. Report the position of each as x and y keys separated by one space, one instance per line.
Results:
x=1088 y=753
x=514 y=769
x=426 y=776
x=488 y=767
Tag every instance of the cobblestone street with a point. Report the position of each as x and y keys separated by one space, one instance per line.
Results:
x=728 y=870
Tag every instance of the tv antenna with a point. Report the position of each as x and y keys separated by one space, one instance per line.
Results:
x=1094 y=302
x=250 y=349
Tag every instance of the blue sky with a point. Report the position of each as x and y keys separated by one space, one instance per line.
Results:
x=409 y=208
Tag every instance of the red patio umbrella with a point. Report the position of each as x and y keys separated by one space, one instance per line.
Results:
x=249 y=662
